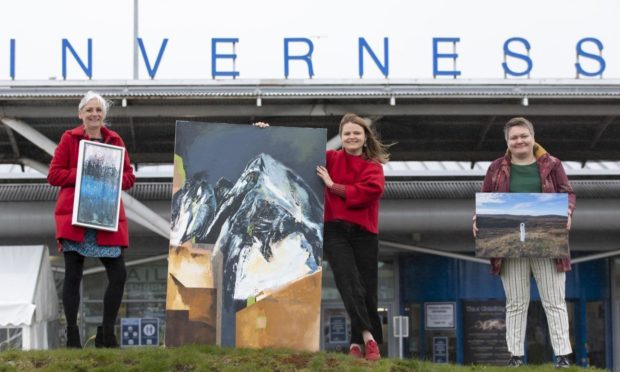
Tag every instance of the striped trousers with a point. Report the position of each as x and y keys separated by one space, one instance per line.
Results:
x=551 y=285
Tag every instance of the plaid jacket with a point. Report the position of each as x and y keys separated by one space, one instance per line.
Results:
x=552 y=178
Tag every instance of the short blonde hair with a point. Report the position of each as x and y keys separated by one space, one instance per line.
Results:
x=518 y=122
x=90 y=95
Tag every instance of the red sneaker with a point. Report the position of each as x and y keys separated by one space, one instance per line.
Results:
x=355 y=351
x=372 y=351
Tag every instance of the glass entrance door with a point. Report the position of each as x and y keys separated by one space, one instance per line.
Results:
x=336 y=329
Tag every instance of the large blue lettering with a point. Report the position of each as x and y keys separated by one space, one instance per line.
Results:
x=523 y=57
x=385 y=67
x=437 y=56
x=215 y=56
x=152 y=70
x=87 y=70
x=597 y=58
x=305 y=57
x=12 y=60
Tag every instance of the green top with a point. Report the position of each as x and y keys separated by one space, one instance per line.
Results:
x=525 y=178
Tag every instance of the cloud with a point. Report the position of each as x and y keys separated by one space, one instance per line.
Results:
x=490 y=197
x=546 y=197
x=525 y=205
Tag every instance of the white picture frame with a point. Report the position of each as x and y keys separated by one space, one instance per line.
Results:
x=98 y=186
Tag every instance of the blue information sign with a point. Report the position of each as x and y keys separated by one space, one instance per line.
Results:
x=149 y=335
x=130 y=332
x=337 y=329
x=139 y=332
x=440 y=349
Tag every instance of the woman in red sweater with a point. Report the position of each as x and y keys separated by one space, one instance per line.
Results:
x=354 y=184
x=77 y=242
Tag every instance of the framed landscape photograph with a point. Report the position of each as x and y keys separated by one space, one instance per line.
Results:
x=98 y=186
x=522 y=225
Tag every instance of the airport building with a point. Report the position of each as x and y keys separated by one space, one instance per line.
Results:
x=441 y=95
x=446 y=136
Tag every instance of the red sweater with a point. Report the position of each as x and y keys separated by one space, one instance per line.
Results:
x=63 y=173
x=358 y=186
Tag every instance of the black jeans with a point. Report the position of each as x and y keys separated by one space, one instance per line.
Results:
x=74 y=268
x=352 y=253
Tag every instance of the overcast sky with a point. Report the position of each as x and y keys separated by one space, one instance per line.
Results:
x=553 y=27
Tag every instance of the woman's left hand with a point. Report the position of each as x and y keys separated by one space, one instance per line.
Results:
x=569 y=222
x=322 y=172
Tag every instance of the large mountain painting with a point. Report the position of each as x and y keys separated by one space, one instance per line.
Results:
x=246 y=239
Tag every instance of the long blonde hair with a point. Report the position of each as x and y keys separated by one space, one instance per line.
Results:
x=373 y=148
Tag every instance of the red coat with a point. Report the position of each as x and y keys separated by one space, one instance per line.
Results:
x=358 y=186
x=552 y=179
x=63 y=172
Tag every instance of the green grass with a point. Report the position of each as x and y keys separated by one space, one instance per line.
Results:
x=212 y=358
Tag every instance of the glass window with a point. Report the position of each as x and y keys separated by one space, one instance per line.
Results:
x=617 y=279
x=386 y=281
x=385 y=288
x=144 y=297
x=595 y=323
x=414 y=310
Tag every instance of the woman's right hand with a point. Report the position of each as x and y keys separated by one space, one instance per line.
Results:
x=261 y=124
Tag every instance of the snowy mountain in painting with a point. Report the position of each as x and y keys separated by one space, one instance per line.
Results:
x=267 y=229
x=193 y=209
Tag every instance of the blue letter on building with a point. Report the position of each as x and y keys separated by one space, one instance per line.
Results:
x=524 y=57
x=306 y=57
x=385 y=67
x=215 y=56
x=87 y=70
x=583 y=53
x=12 y=59
x=152 y=70
x=437 y=55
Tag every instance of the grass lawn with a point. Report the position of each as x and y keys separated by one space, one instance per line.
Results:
x=212 y=358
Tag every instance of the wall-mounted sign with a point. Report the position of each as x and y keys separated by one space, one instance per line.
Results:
x=439 y=315
x=440 y=349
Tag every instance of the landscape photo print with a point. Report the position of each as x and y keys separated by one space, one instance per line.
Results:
x=522 y=225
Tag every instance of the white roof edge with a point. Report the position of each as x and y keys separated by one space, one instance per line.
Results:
x=392 y=169
x=303 y=82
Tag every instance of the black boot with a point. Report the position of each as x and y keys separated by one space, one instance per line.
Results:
x=99 y=337
x=109 y=339
x=73 y=337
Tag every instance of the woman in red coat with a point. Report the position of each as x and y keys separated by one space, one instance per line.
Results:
x=77 y=242
x=354 y=183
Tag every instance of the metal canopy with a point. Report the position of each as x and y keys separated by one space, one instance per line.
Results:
x=431 y=120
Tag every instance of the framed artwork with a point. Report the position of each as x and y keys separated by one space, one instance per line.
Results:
x=247 y=236
x=522 y=225
x=98 y=186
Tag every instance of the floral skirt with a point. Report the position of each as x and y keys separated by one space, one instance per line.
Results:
x=89 y=247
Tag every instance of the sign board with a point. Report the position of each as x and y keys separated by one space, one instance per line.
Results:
x=337 y=328
x=149 y=332
x=401 y=326
x=440 y=349
x=484 y=332
x=139 y=332
x=580 y=38
x=439 y=315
